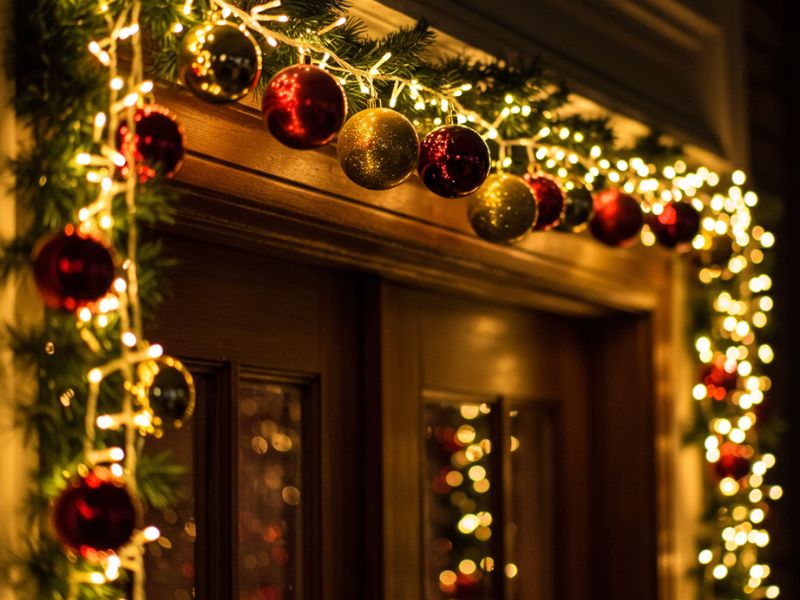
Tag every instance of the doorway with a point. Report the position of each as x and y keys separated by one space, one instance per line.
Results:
x=360 y=438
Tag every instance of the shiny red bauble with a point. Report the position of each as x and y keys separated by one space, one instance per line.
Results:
x=550 y=201
x=453 y=161
x=719 y=380
x=617 y=217
x=72 y=269
x=676 y=225
x=156 y=141
x=734 y=461
x=95 y=514
x=304 y=107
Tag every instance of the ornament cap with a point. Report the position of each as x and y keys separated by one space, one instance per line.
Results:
x=452 y=119
x=374 y=103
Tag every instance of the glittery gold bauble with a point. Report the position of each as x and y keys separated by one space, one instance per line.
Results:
x=378 y=148
x=503 y=209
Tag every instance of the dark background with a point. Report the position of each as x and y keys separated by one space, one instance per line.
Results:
x=772 y=46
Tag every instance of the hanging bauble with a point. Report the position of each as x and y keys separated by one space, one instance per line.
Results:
x=219 y=62
x=503 y=209
x=617 y=217
x=158 y=143
x=578 y=209
x=549 y=201
x=72 y=269
x=304 y=106
x=378 y=148
x=95 y=514
x=734 y=461
x=720 y=377
x=453 y=160
x=676 y=224
x=167 y=389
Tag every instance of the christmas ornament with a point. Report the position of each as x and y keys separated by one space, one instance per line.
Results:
x=219 y=62
x=72 y=269
x=720 y=377
x=578 y=209
x=453 y=160
x=503 y=209
x=549 y=201
x=676 y=225
x=617 y=217
x=734 y=461
x=95 y=514
x=304 y=107
x=167 y=389
x=158 y=143
x=378 y=148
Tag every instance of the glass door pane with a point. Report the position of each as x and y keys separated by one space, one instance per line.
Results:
x=459 y=500
x=269 y=486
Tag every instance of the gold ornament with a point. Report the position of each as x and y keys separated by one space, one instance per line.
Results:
x=378 y=148
x=503 y=209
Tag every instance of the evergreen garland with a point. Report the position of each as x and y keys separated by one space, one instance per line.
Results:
x=58 y=82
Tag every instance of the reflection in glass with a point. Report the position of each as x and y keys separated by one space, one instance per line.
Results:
x=269 y=490
x=529 y=566
x=458 y=501
x=170 y=561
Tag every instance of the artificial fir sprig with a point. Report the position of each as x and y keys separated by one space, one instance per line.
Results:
x=59 y=90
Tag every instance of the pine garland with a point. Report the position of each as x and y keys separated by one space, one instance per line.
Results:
x=59 y=87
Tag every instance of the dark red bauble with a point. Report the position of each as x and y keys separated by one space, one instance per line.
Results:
x=453 y=161
x=550 y=201
x=95 y=514
x=158 y=144
x=677 y=224
x=304 y=107
x=733 y=461
x=717 y=379
x=72 y=269
x=617 y=217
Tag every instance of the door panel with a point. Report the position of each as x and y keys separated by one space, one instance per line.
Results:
x=524 y=373
x=280 y=481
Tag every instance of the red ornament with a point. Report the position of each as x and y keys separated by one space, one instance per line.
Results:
x=453 y=161
x=719 y=380
x=304 y=107
x=95 y=514
x=158 y=145
x=617 y=217
x=550 y=201
x=734 y=461
x=677 y=224
x=72 y=269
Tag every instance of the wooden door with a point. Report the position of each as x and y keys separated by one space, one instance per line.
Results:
x=518 y=452
x=274 y=509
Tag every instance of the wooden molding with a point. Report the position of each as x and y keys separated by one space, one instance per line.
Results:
x=245 y=186
x=671 y=64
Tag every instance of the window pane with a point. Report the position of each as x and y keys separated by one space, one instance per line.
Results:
x=530 y=564
x=459 y=501
x=170 y=561
x=269 y=490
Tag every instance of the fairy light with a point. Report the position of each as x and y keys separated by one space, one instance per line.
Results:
x=376 y=67
x=729 y=216
x=337 y=23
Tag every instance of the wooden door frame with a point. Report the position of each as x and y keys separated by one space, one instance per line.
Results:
x=241 y=188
